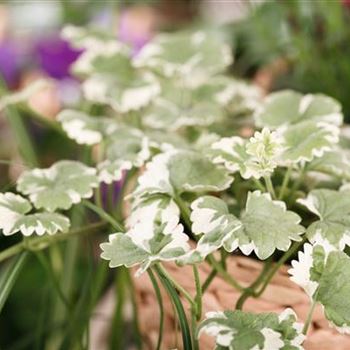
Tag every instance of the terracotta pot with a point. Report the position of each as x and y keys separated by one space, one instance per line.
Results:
x=281 y=293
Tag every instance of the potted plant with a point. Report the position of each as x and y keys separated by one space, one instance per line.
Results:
x=208 y=169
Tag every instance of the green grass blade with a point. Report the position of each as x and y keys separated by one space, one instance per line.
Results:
x=9 y=277
x=185 y=330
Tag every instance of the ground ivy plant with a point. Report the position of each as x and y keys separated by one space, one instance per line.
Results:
x=208 y=168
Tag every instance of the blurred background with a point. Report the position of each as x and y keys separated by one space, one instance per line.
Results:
x=277 y=44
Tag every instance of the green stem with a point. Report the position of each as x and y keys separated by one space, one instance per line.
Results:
x=286 y=256
x=224 y=274
x=104 y=215
x=285 y=182
x=138 y=339
x=117 y=339
x=269 y=186
x=198 y=297
x=185 y=211
x=248 y=292
x=309 y=315
x=194 y=330
x=259 y=185
x=161 y=307
x=300 y=180
x=177 y=286
x=40 y=243
x=209 y=279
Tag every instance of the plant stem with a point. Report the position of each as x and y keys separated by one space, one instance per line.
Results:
x=117 y=341
x=161 y=307
x=177 y=286
x=137 y=338
x=269 y=186
x=209 y=279
x=309 y=315
x=104 y=215
x=266 y=275
x=297 y=183
x=259 y=185
x=39 y=243
x=285 y=182
x=198 y=297
x=185 y=211
x=194 y=329
x=251 y=289
x=280 y=262
x=224 y=274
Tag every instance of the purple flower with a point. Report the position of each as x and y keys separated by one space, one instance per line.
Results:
x=9 y=63
x=55 y=56
x=115 y=187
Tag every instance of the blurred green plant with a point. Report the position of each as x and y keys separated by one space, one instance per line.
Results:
x=313 y=38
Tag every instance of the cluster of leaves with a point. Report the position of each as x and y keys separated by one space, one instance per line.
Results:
x=173 y=117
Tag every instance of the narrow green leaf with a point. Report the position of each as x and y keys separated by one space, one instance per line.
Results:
x=9 y=277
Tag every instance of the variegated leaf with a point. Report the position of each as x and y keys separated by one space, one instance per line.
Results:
x=324 y=273
x=179 y=106
x=335 y=162
x=182 y=171
x=238 y=330
x=333 y=209
x=201 y=54
x=125 y=148
x=123 y=95
x=261 y=228
x=90 y=38
x=154 y=234
x=289 y=107
x=256 y=158
x=16 y=216
x=210 y=216
x=308 y=140
x=58 y=187
x=85 y=129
